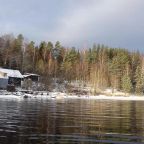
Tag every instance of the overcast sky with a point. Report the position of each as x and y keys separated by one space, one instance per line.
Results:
x=80 y=23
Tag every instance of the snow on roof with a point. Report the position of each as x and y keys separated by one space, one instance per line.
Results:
x=25 y=75
x=30 y=74
x=12 y=73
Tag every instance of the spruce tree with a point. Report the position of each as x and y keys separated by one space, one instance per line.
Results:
x=126 y=83
x=139 y=79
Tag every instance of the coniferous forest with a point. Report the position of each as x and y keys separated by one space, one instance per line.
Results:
x=100 y=66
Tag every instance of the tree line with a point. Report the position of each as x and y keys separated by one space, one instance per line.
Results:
x=99 y=66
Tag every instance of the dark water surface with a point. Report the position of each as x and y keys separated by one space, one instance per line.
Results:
x=71 y=121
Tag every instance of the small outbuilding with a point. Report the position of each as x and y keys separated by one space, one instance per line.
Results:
x=30 y=81
x=33 y=77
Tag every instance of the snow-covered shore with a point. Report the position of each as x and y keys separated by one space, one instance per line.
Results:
x=60 y=95
x=128 y=98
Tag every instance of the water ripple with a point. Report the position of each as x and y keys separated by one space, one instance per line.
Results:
x=71 y=122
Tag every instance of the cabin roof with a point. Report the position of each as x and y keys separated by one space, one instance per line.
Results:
x=12 y=73
x=30 y=74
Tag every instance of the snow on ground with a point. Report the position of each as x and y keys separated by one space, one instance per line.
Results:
x=133 y=98
x=13 y=97
x=60 y=95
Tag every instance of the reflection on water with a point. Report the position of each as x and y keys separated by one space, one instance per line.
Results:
x=71 y=122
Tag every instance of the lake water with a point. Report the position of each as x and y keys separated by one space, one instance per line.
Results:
x=71 y=121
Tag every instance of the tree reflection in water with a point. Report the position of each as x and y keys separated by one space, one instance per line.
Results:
x=71 y=121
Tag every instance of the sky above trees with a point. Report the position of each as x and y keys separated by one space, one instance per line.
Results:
x=80 y=23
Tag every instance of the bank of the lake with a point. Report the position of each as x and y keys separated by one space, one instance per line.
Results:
x=61 y=95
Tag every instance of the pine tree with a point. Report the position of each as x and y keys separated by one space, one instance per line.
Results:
x=29 y=57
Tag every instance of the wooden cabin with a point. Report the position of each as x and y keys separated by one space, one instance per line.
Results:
x=12 y=76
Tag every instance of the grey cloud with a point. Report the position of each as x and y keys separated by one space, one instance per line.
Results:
x=114 y=23
x=76 y=22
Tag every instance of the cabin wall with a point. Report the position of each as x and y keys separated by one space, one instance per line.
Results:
x=3 y=75
x=33 y=78
x=3 y=83
x=15 y=81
